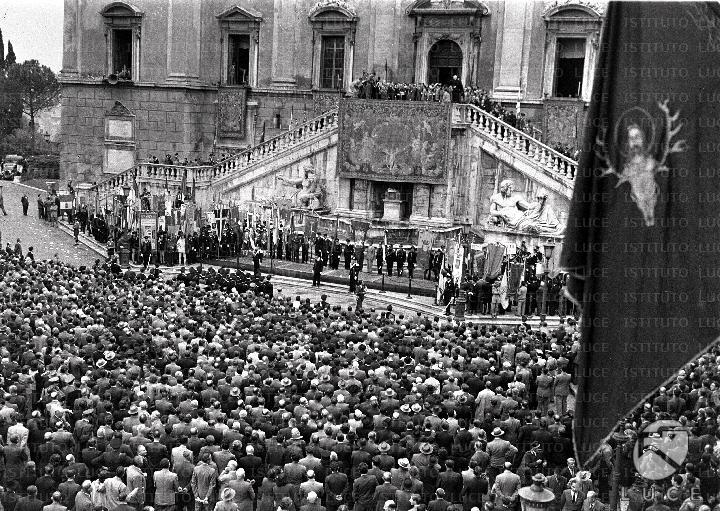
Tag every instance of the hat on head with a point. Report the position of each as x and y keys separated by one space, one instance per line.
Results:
x=497 y=432
x=405 y=408
x=383 y=447
x=133 y=410
x=403 y=463
x=426 y=448
x=227 y=494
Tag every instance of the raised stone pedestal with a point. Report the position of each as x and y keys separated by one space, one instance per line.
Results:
x=391 y=206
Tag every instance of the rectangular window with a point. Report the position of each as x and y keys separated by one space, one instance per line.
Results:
x=238 y=72
x=332 y=62
x=122 y=53
x=569 y=67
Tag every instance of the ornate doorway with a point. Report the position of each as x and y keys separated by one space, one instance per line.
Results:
x=445 y=59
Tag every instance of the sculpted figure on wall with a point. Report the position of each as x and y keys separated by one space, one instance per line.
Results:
x=513 y=212
x=309 y=192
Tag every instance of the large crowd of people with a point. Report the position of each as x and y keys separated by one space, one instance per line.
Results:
x=209 y=391
x=370 y=86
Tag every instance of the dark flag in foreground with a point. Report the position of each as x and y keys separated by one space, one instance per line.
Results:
x=643 y=237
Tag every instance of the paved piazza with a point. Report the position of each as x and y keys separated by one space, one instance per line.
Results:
x=34 y=232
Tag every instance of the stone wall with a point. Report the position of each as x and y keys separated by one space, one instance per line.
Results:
x=167 y=120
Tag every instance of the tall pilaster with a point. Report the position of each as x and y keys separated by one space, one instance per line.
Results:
x=183 y=41
x=72 y=37
x=284 y=45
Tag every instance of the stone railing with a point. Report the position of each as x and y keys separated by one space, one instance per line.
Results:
x=270 y=148
x=517 y=142
x=205 y=175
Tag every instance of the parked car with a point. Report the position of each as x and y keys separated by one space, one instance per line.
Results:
x=12 y=165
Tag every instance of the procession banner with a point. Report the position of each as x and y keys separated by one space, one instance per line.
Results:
x=148 y=226
x=457 y=260
x=642 y=242
x=425 y=241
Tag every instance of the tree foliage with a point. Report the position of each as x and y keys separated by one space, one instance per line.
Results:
x=2 y=52
x=35 y=86
x=21 y=141
x=10 y=59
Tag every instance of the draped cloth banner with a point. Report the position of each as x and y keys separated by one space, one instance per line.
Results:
x=232 y=108
x=642 y=242
x=401 y=141
x=493 y=263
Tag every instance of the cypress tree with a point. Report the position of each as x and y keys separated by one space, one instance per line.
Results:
x=10 y=59
x=2 y=51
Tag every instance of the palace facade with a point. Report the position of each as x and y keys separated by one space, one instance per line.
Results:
x=192 y=77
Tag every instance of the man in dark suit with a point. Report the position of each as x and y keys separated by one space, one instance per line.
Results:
x=400 y=258
x=146 y=251
x=571 y=499
x=336 y=487
x=31 y=502
x=379 y=259
x=439 y=503
x=363 y=490
x=571 y=470
x=556 y=483
x=384 y=492
x=253 y=465
x=390 y=260
x=156 y=451
x=412 y=261
x=451 y=482
x=317 y=269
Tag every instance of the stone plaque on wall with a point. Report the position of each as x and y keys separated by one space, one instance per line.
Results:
x=118 y=159
x=232 y=103
x=119 y=128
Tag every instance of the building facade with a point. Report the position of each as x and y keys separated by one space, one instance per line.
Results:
x=192 y=77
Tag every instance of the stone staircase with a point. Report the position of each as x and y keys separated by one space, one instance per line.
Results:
x=155 y=177
x=509 y=145
x=519 y=150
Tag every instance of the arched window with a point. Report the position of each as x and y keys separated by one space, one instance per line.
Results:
x=123 y=23
x=240 y=29
x=445 y=59
x=572 y=33
x=333 y=41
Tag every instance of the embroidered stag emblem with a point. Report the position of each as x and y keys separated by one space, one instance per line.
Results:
x=638 y=165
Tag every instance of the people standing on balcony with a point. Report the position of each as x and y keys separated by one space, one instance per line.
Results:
x=457 y=89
